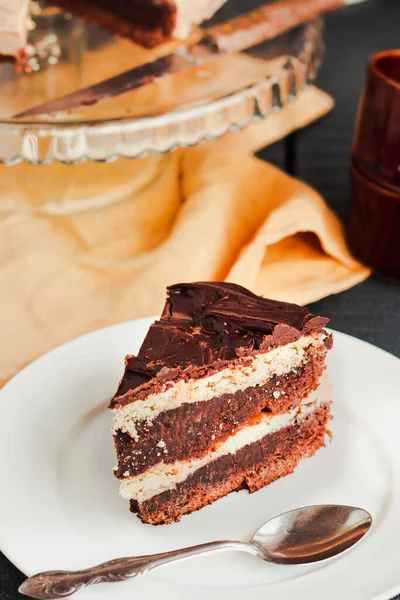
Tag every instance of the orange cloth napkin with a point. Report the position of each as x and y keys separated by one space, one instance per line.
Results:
x=99 y=254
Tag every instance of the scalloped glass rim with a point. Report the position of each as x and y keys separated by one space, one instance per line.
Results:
x=44 y=143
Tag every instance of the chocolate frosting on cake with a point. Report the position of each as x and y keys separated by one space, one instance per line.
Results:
x=207 y=323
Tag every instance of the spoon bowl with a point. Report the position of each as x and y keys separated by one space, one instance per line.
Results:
x=311 y=534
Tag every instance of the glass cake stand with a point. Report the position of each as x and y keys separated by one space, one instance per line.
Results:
x=65 y=53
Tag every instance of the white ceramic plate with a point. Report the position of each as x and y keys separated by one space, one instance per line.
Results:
x=59 y=503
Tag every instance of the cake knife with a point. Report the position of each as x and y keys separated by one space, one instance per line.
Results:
x=235 y=35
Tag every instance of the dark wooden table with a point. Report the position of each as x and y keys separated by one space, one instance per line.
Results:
x=370 y=311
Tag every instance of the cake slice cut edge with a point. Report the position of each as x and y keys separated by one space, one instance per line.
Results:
x=190 y=415
x=267 y=448
x=221 y=374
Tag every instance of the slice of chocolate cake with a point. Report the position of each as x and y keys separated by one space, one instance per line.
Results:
x=228 y=391
x=148 y=22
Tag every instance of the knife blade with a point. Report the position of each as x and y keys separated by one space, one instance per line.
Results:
x=235 y=35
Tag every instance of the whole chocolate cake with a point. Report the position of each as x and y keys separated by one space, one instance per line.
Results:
x=227 y=392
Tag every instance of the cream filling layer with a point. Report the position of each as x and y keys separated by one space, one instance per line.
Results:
x=255 y=372
x=191 y=13
x=163 y=477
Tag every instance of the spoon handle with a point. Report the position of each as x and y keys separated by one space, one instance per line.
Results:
x=60 y=584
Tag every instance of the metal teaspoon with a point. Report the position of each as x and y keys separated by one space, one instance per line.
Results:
x=298 y=537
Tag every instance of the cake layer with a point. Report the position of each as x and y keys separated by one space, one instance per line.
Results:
x=163 y=476
x=251 y=467
x=192 y=428
x=239 y=374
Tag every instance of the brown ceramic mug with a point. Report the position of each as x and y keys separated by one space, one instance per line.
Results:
x=374 y=232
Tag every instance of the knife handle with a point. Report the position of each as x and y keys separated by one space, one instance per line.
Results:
x=267 y=22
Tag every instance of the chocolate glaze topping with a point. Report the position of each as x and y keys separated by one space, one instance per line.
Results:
x=205 y=323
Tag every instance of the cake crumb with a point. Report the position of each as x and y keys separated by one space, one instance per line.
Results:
x=161 y=444
x=126 y=473
x=276 y=395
